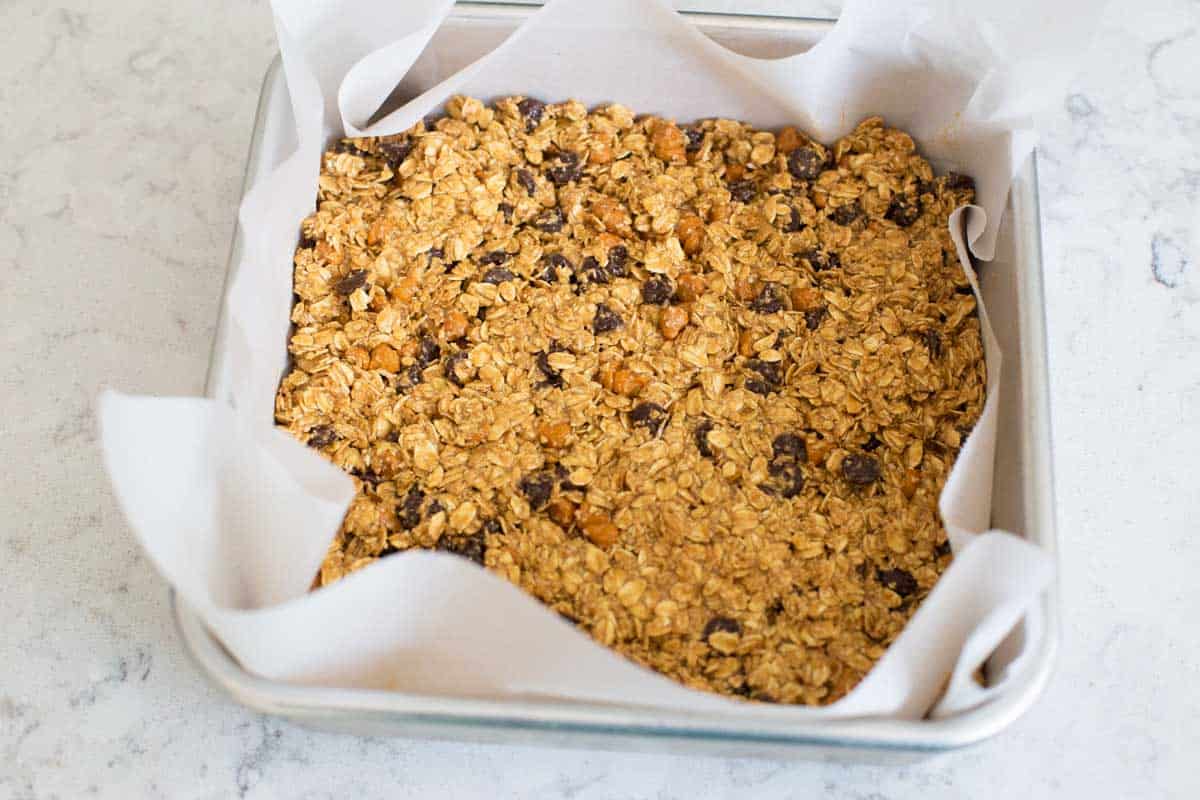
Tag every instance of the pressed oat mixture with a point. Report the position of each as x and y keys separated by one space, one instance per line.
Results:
x=695 y=388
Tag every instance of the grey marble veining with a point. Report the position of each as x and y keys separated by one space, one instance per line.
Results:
x=123 y=133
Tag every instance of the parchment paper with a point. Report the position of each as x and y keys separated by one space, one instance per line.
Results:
x=237 y=515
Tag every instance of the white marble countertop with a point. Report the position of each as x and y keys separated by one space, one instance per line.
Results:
x=124 y=131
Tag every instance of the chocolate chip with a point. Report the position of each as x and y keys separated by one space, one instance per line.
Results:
x=537 y=488
x=860 y=470
x=355 y=280
x=592 y=271
x=794 y=223
x=774 y=610
x=821 y=260
x=720 y=625
x=346 y=146
x=606 y=320
x=769 y=300
x=412 y=376
x=451 y=368
x=844 y=215
x=657 y=290
x=395 y=151
x=564 y=480
x=552 y=265
x=759 y=387
x=959 y=182
x=701 y=435
x=408 y=513
x=898 y=580
x=532 y=111
x=526 y=180
x=497 y=275
x=695 y=139
x=306 y=242
x=367 y=475
x=435 y=508
x=903 y=212
x=492 y=525
x=743 y=191
x=769 y=371
x=494 y=257
x=564 y=174
x=787 y=477
x=872 y=444
x=813 y=317
x=933 y=341
x=470 y=546
x=553 y=376
x=321 y=436
x=789 y=444
x=549 y=221
x=428 y=352
x=805 y=164
x=618 y=259
x=507 y=210
x=649 y=415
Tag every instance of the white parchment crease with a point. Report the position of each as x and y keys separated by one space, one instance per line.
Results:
x=237 y=515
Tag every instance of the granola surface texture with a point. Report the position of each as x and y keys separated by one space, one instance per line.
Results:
x=695 y=387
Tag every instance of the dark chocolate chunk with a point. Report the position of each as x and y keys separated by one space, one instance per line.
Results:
x=649 y=415
x=787 y=477
x=904 y=212
x=591 y=270
x=553 y=376
x=408 y=513
x=355 y=280
x=395 y=151
x=537 y=488
x=873 y=444
x=564 y=174
x=770 y=299
x=942 y=549
x=701 y=435
x=553 y=265
x=720 y=625
x=606 y=320
x=321 y=436
x=367 y=475
x=794 y=223
x=844 y=215
x=507 y=210
x=813 y=317
x=821 y=260
x=769 y=371
x=428 y=351
x=657 y=290
x=527 y=182
x=532 y=111
x=492 y=525
x=805 y=164
x=451 y=367
x=470 y=546
x=860 y=470
x=618 y=262
x=899 y=581
x=435 y=507
x=933 y=340
x=744 y=190
x=695 y=139
x=791 y=445
x=957 y=181
x=550 y=220
x=494 y=257
x=498 y=275
x=760 y=387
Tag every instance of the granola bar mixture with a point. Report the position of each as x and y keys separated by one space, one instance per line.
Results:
x=696 y=388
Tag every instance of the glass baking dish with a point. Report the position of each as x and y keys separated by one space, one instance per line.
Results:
x=1023 y=492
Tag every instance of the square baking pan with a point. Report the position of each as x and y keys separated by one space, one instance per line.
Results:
x=1023 y=493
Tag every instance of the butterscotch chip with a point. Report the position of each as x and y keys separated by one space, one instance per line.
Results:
x=697 y=389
